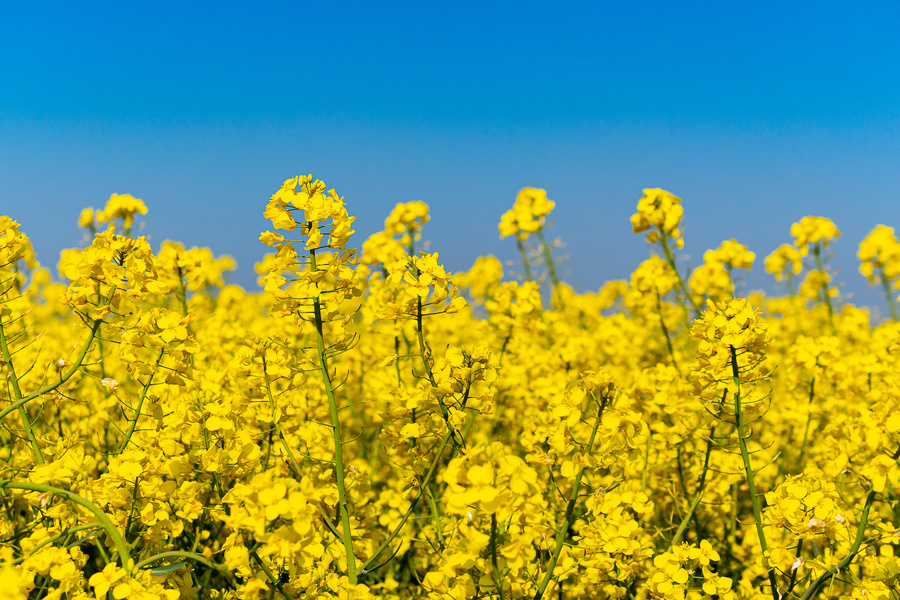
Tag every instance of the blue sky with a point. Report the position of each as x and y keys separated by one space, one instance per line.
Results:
x=755 y=114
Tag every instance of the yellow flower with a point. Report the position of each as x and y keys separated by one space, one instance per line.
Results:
x=880 y=250
x=86 y=218
x=121 y=206
x=662 y=211
x=813 y=230
x=527 y=214
x=785 y=260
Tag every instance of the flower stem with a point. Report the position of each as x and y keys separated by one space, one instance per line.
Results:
x=137 y=410
x=670 y=258
x=336 y=433
x=105 y=522
x=748 y=471
x=888 y=296
x=813 y=589
x=525 y=263
x=65 y=377
x=367 y=566
x=699 y=494
x=570 y=510
x=14 y=380
x=338 y=444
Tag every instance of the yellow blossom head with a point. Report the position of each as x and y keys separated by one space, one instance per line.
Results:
x=661 y=211
x=813 y=230
x=784 y=261
x=86 y=218
x=527 y=214
x=880 y=251
x=729 y=332
x=731 y=254
x=121 y=206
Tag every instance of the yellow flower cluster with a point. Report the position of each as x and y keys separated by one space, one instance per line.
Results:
x=785 y=261
x=712 y=279
x=879 y=256
x=813 y=230
x=358 y=429
x=119 y=206
x=14 y=245
x=527 y=215
x=662 y=212
x=731 y=344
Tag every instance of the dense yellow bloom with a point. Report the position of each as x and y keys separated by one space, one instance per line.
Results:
x=725 y=330
x=322 y=439
x=712 y=279
x=317 y=208
x=806 y=506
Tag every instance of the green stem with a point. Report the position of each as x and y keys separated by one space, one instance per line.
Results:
x=64 y=534
x=65 y=377
x=820 y=266
x=420 y=332
x=287 y=449
x=14 y=380
x=813 y=589
x=662 y=322
x=646 y=461
x=699 y=494
x=179 y=554
x=551 y=266
x=336 y=432
x=748 y=470
x=140 y=405
x=570 y=511
x=812 y=388
x=888 y=295
x=498 y=583
x=412 y=505
x=105 y=522
x=670 y=258
x=525 y=263
x=274 y=580
x=338 y=444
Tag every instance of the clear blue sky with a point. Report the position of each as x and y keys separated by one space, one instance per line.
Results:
x=755 y=113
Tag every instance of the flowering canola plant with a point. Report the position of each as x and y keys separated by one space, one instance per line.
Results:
x=371 y=425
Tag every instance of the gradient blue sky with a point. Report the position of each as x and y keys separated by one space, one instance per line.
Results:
x=755 y=114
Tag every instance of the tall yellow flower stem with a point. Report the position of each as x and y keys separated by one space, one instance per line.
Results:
x=816 y=585
x=525 y=262
x=670 y=258
x=698 y=495
x=14 y=380
x=140 y=404
x=457 y=440
x=569 y=518
x=748 y=471
x=336 y=433
x=429 y=476
x=820 y=266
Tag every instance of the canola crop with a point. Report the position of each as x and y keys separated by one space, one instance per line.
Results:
x=370 y=425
